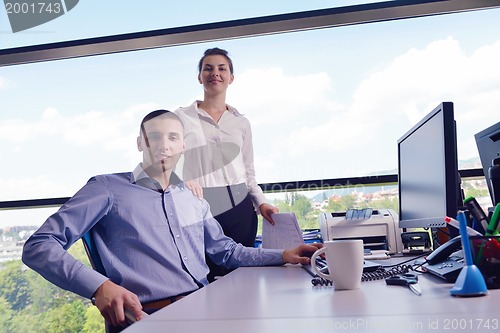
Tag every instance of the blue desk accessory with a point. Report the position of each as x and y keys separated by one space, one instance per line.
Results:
x=470 y=281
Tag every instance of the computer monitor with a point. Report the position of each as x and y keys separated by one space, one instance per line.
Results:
x=428 y=178
x=488 y=145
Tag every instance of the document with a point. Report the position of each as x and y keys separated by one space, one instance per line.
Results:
x=284 y=234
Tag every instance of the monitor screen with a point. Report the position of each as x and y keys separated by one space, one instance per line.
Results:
x=488 y=145
x=428 y=178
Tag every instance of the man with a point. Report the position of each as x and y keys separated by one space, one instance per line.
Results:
x=151 y=233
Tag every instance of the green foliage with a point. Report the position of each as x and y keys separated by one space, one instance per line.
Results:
x=14 y=288
x=69 y=317
x=476 y=192
x=47 y=295
x=339 y=204
x=5 y=315
x=29 y=303
x=307 y=216
x=24 y=321
x=389 y=203
x=78 y=252
x=301 y=207
x=94 y=322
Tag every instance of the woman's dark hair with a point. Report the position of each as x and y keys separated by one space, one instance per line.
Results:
x=216 y=51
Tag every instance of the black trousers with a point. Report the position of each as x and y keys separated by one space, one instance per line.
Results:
x=239 y=222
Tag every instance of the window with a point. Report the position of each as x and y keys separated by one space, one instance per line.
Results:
x=324 y=103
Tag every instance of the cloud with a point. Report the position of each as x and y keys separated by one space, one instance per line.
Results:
x=17 y=130
x=113 y=131
x=400 y=94
x=67 y=149
x=3 y=83
x=315 y=136
x=14 y=188
x=268 y=96
x=102 y=129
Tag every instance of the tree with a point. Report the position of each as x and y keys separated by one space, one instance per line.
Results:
x=45 y=295
x=14 y=286
x=477 y=192
x=282 y=205
x=24 y=321
x=5 y=315
x=69 y=317
x=389 y=203
x=342 y=204
x=33 y=304
x=94 y=322
x=301 y=206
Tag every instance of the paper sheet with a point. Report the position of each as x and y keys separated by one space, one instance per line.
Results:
x=284 y=234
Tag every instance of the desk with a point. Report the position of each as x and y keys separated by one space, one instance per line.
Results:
x=282 y=299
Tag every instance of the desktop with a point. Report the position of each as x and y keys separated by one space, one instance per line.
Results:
x=428 y=178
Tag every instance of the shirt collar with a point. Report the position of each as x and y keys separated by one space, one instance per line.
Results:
x=230 y=108
x=140 y=177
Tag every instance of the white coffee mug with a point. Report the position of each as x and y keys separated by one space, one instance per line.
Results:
x=345 y=263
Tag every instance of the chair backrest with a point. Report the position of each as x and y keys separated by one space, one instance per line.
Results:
x=90 y=248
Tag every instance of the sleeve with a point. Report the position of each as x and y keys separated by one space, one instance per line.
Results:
x=46 y=250
x=254 y=189
x=226 y=252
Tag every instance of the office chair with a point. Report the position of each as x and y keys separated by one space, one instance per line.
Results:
x=96 y=263
x=91 y=250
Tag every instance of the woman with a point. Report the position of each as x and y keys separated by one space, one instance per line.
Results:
x=219 y=155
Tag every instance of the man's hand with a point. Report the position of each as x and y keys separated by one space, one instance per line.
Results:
x=195 y=188
x=112 y=300
x=301 y=254
x=266 y=210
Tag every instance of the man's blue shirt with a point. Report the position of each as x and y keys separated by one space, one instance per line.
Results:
x=151 y=242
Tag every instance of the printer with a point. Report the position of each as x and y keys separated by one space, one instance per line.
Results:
x=378 y=228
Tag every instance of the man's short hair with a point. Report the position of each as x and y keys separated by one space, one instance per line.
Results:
x=158 y=113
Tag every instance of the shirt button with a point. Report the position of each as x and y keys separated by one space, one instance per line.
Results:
x=185 y=258
x=177 y=235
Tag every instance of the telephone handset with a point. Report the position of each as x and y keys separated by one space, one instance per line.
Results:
x=444 y=251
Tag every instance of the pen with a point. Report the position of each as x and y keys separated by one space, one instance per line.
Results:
x=493 y=225
x=456 y=224
x=496 y=217
x=476 y=212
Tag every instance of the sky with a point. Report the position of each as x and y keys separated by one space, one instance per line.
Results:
x=323 y=104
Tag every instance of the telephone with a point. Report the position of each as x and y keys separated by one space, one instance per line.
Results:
x=444 y=251
x=446 y=261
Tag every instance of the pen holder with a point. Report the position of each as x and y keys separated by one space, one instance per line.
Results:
x=486 y=255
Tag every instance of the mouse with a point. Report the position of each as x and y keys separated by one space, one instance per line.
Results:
x=444 y=251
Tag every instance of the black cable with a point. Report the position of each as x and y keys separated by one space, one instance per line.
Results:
x=382 y=272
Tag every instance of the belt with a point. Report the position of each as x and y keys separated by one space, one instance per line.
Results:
x=161 y=303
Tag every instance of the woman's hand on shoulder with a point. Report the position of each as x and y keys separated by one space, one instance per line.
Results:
x=194 y=187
